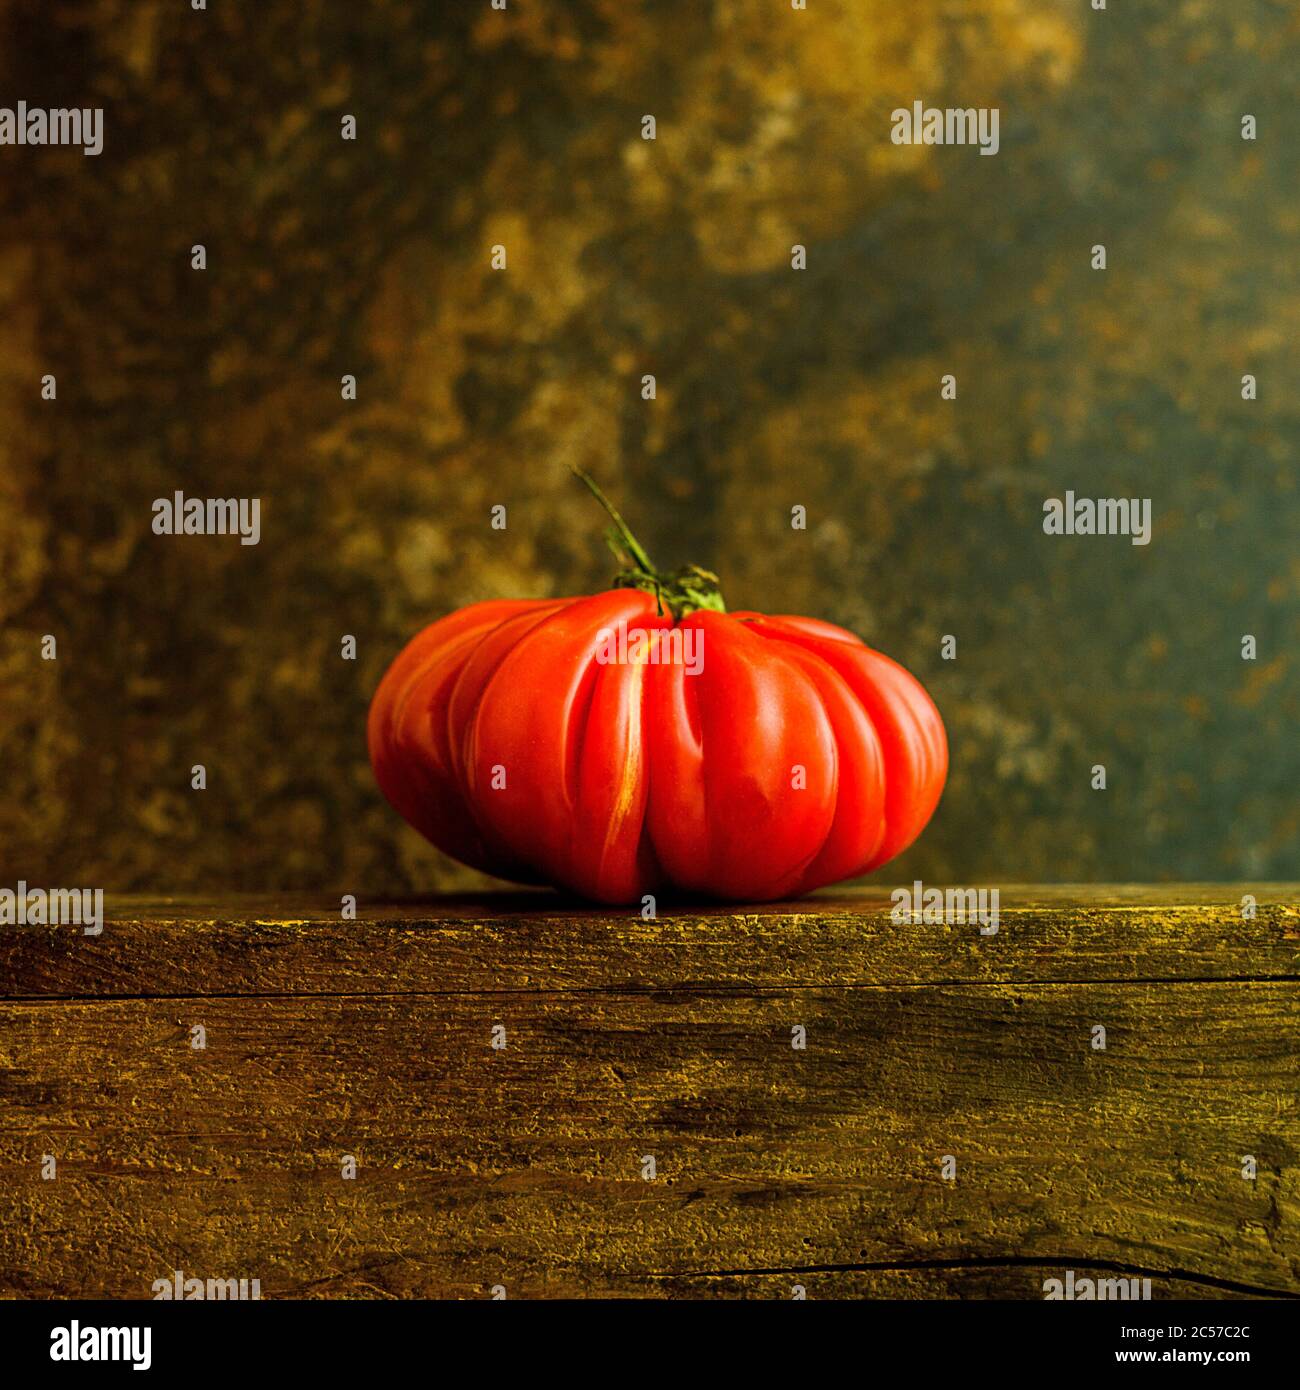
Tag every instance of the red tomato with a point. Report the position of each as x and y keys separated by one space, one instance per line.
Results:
x=747 y=757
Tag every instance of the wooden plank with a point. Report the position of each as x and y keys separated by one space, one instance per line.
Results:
x=523 y=1166
x=520 y=941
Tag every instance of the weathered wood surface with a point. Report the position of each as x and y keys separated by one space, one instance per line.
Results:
x=775 y=1167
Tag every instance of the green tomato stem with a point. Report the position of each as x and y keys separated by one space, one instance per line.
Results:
x=684 y=591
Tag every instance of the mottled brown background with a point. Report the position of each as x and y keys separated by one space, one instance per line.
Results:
x=775 y=388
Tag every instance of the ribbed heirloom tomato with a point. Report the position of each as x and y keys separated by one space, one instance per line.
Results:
x=644 y=740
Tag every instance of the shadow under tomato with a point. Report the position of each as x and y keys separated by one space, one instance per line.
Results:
x=548 y=902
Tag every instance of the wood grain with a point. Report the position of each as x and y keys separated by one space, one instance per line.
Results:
x=775 y=1166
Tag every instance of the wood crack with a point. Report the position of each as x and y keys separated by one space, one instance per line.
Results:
x=641 y=991
x=1054 y=1262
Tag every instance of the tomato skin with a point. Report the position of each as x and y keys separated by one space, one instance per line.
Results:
x=795 y=756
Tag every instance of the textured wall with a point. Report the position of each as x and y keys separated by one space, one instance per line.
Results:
x=775 y=387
